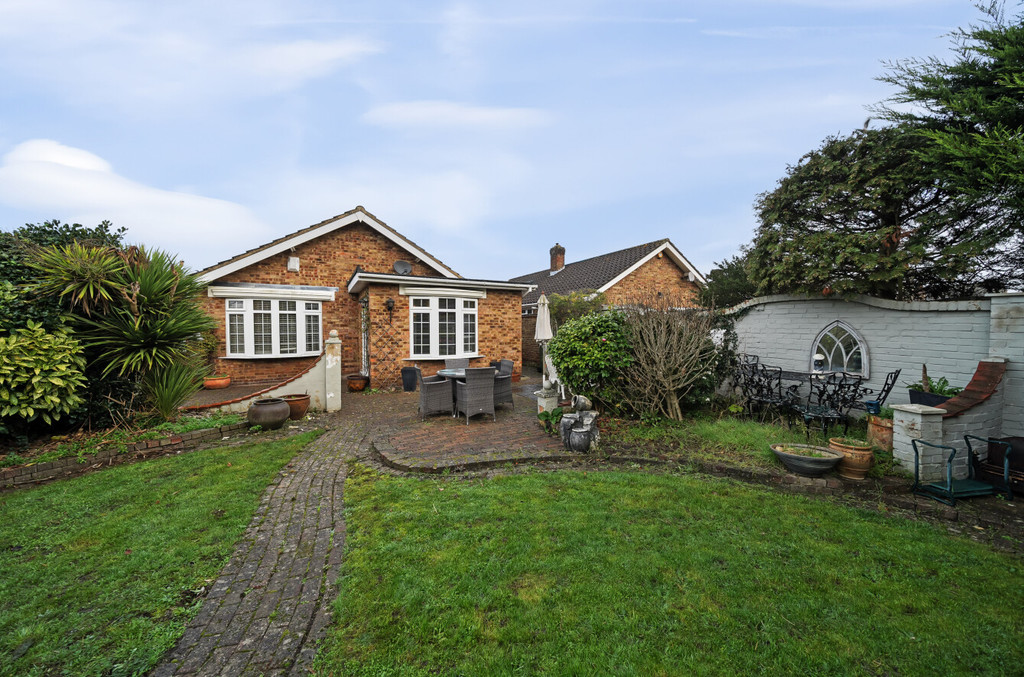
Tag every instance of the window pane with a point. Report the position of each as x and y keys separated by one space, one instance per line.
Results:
x=421 y=303
x=446 y=304
x=236 y=305
x=287 y=306
x=312 y=333
x=312 y=306
x=262 y=334
x=236 y=333
x=261 y=304
x=446 y=331
x=288 y=337
x=421 y=333
x=469 y=333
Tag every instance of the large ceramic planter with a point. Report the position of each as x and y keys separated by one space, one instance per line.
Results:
x=806 y=459
x=216 y=382
x=857 y=457
x=357 y=382
x=269 y=413
x=880 y=432
x=297 y=405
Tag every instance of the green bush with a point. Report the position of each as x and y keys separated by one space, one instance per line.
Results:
x=40 y=374
x=591 y=355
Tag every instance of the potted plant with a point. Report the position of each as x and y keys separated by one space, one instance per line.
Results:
x=216 y=381
x=880 y=429
x=805 y=459
x=857 y=457
x=931 y=392
x=357 y=382
x=297 y=405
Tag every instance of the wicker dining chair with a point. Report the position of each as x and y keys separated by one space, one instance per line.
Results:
x=456 y=362
x=503 y=384
x=435 y=395
x=476 y=395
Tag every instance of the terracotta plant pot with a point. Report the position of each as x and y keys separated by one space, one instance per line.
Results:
x=857 y=457
x=297 y=405
x=880 y=432
x=357 y=382
x=798 y=461
x=269 y=413
x=216 y=382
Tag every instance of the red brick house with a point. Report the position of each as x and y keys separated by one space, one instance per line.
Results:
x=392 y=304
x=653 y=267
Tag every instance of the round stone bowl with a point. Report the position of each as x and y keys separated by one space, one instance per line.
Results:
x=806 y=459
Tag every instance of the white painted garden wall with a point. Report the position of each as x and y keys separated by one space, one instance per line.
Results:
x=951 y=337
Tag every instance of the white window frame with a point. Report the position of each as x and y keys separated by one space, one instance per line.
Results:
x=861 y=344
x=432 y=309
x=303 y=309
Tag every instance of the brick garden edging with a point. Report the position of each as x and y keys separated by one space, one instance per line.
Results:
x=18 y=476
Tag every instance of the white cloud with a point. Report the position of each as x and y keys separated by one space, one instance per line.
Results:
x=75 y=185
x=451 y=114
x=181 y=57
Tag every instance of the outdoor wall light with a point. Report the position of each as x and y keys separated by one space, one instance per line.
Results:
x=390 y=305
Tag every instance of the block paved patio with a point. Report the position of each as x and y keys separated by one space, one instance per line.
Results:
x=269 y=607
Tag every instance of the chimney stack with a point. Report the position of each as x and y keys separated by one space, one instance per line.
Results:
x=557 y=258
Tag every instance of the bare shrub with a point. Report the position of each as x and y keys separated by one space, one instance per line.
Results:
x=673 y=352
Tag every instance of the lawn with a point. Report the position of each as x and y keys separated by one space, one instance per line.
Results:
x=577 y=573
x=101 y=573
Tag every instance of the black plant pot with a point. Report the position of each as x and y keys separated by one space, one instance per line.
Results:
x=408 y=379
x=269 y=413
x=927 y=399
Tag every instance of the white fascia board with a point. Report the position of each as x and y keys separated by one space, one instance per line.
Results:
x=442 y=291
x=303 y=238
x=260 y=291
x=673 y=254
x=361 y=279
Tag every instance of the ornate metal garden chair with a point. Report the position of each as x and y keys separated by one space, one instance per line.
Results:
x=830 y=401
x=476 y=395
x=874 y=405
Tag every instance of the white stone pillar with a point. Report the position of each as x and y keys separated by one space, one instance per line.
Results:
x=332 y=378
x=917 y=421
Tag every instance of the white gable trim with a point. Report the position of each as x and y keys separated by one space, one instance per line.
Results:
x=672 y=253
x=357 y=216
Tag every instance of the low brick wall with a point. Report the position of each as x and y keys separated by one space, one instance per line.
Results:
x=68 y=467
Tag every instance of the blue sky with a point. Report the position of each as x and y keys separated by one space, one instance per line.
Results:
x=485 y=132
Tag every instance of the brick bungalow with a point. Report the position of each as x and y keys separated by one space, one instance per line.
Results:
x=392 y=304
x=653 y=267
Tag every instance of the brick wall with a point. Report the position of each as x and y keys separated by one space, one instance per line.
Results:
x=658 y=274
x=531 y=349
x=328 y=261
x=951 y=337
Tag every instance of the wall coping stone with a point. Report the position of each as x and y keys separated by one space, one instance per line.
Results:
x=918 y=306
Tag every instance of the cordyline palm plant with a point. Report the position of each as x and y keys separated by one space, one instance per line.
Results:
x=138 y=314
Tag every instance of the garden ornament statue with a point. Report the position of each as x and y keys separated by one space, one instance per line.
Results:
x=578 y=429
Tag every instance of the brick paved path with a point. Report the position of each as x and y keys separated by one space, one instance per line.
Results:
x=269 y=607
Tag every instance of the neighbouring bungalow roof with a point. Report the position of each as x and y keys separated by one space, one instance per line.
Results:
x=283 y=244
x=600 y=273
x=361 y=279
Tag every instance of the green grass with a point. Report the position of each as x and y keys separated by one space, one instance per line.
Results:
x=618 y=573
x=730 y=439
x=99 y=574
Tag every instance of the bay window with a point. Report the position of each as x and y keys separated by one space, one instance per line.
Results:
x=273 y=328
